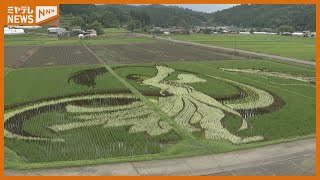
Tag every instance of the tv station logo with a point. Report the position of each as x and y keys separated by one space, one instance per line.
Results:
x=26 y=15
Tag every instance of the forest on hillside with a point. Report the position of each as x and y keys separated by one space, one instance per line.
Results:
x=144 y=17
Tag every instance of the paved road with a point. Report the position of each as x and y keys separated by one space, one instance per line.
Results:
x=240 y=52
x=293 y=158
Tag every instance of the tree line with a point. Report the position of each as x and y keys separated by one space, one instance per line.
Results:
x=144 y=17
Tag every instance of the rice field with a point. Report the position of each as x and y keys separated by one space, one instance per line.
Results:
x=63 y=107
x=294 y=47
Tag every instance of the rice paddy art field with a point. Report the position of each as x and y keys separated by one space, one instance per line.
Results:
x=89 y=105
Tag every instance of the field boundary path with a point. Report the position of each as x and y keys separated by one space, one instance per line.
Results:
x=292 y=158
x=238 y=51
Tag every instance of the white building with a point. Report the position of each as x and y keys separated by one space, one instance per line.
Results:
x=244 y=32
x=9 y=31
x=298 y=34
x=56 y=30
x=92 y=32
x=270 y=33
x=27 y=27
x=259 y=33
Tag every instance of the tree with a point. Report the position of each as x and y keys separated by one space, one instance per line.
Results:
x=96 y=26
x=133 y=24
x=78 y=21
x=285 y=29
x=207 y=31
x=147 y=29
x=140 y=16
x=108 y=19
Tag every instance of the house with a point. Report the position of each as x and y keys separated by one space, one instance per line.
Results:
x=92 y=32
x=179 y=30
x=56 y=30
x=77 y=31
x=10 y=31
x=225 y=31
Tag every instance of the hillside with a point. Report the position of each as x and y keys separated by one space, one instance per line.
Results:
x=164 y=15
x=158 y=15
x=300 y=17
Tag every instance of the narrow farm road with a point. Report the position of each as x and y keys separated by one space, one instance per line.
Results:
x=290 y=159
x=239 y=51
x=182 y=132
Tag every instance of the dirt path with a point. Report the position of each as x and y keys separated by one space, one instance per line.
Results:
x=240 y=52
x=293 y=158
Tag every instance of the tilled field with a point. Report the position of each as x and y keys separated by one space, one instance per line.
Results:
x=112 y=54
x=156 y=52
x=60 y=56
x=12 y=53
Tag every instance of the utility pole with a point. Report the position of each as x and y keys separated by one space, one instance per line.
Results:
x=235 y=45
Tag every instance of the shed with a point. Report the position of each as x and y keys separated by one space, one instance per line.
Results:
x=244 y=32
x=298 y=34
x=56 y=30
x=92 y=32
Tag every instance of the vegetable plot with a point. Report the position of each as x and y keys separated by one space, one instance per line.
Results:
x=196 y=111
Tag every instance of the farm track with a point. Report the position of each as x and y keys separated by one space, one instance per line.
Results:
x=151 y=105
x=238 y=51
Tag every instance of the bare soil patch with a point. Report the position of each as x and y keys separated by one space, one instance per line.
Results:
x=156 y=52
x=60 y=56
x=12 y=53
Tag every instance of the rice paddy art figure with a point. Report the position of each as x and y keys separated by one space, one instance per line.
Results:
x=190 y=107
x=87 y=77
